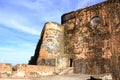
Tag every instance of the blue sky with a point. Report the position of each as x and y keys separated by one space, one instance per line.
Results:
x=21 y=22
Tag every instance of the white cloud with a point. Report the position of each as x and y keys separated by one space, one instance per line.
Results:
x=15 y=25
x=24 y=28
x=19 y=21
x=27 y=21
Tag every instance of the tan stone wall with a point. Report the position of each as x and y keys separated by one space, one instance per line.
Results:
x=52 y=44
x=91 y=40
x=62 y=62
x=93 y=47
x=23 y=70
x=5 y=70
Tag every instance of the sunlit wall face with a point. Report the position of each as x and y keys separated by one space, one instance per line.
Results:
x=21 y=23
x=92 y=38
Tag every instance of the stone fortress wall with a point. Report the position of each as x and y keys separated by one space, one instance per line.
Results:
x=87 y=40
x=92 y=37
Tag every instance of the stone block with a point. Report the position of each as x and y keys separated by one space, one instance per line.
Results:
x=68 y=16
x=48 y=62
x=5 y=70
x=23 y=70
x=62 y=62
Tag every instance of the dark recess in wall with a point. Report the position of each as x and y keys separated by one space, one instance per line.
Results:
x=33 y=60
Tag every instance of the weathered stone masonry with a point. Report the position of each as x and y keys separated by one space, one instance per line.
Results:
x=93 y=46
x=88 y=40
x=51 y=50
x=91 y=42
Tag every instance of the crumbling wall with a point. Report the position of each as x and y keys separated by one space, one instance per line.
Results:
x=92 y=38
x=5 y=70
x=23 y=70
x=32 y=71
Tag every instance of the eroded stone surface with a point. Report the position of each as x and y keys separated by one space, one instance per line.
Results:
x=5 y=70
x=94 y=48
x=23 y=70
x=91 y=48
x=52 y=47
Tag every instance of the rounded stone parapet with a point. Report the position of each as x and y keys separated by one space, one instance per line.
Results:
x=52 y=43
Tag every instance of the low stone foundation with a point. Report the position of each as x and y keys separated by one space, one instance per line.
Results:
x=32 y=71
x=5 y=70
x=24 y=70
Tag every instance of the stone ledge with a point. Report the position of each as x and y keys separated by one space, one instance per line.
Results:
x=23 y=70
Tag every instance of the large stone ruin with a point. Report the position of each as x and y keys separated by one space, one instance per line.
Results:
x=91 y=40
x=87 y=40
